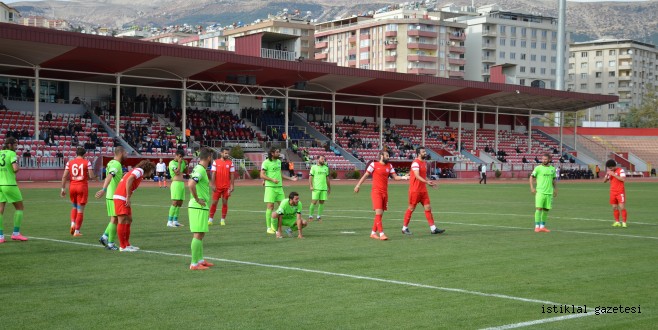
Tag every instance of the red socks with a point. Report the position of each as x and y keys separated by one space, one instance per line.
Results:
x=407 y=217
x=623 y=215
x=78 y=220
x=378 y=224
x=616 y=213
x=74 y=214
x=123 y=233
x=213 y=209
x=429 y=217
x=224 y=210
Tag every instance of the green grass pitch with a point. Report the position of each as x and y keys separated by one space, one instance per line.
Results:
x=488 y=270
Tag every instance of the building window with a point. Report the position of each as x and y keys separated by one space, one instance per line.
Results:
x=501 y=54
x=512 y=42
x=572 y=54
x=533 y=69
x=599 y=74
x=523 y=43
x=522 y=69
x=599 y=53
x=611 y=73
x=391 y=27
x=583 y=86
x=571 y=77
x=523 y=32
x=611 y=106
x=502 y=29
x=554 y=34
x=544 y=33
x=553 y=59
x=363 y=56
x=583 y=76
x=523 y=56
x=513 y=30
x=364 y=43
x=553 y=71
x=553 y=46
x=583 y=65
x=533 y=58
x=572 y=66
x=533 y=33
x=599 y=64
x=611 y=117
x=512 y=56
x=612 y=63
x=597 y=117
x=612 y=52
x=502 y=41
x=611 y=85
x=598 y=85
x=543 y=58
x=542 y=70
x=570 y=87
x=543 y=45
x=583 y=54
x=522 y=82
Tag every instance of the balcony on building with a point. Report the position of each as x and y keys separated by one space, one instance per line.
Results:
x=489 y=33
x=321 y=56
x=321 y=44
x=422 y=58
x=276 y=46
x=423 y=71
x=390 y=44
x=421 y=45
x=457 y=49
x=351 y=39
x=459 y=36
x=488 y=45
x=390 y=58
x=422 y=33
x=456 y=61
x=351 y=63
x=456 y=74
x=391 y=69
x=488 y=59
x=625 y=77
x=391 y=33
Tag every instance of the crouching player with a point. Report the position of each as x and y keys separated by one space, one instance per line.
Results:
x=289 y=214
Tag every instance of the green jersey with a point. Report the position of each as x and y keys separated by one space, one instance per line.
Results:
x=287 y=210
x=7 y=160
x=173 y=166
x=114 y=169
x=545 y=176
x=319 y=174
x=200 y=176
x=272 y=170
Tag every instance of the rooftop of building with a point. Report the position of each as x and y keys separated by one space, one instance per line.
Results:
x=612 y=41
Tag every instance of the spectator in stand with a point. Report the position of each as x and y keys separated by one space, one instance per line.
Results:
x=387 y=122
x=364 y=123
x=49 y=116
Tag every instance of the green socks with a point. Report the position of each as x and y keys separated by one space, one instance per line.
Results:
x=538 y=216
x=197 y=250
x=320 y=209
x=1 y=227
x=311 y=209
x=18 y=218
x=268 y=218
x=544 y=216
x=172 y=212
x=111 y=231
x=176 y=213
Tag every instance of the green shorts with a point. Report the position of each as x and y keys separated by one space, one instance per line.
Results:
x=10 y=194
x=285 y=221
x=543 y=201
x=274 y=194
x=198 y=219
x=319 y=195
x=177 y=191
x=109 y=203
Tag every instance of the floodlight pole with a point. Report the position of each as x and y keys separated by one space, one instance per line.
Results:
x=183 y=103
x=459 y=128
x=575 y=133
x=475 y=128
x=117 y=106
x=333 y=117
x=37 y=95
x=424 y=122
x=285 y=110
x=496 y=140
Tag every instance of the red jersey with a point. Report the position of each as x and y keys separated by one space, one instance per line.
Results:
x=416 y=185
x=78 y=171
x=616 y=186
x=223 y=170
x=120 y=192
x=380 y=173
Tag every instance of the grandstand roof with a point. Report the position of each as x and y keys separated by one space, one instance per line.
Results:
x=98 y=59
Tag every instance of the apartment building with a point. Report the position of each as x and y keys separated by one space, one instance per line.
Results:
x=620 y=67
x=521 y=48
x=407 y=40
x=8 y=14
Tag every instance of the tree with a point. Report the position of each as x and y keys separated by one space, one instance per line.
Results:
x=645 y=115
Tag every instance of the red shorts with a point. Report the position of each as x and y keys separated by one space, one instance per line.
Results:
x=617 y=198
x=78 y=194
x=221 y=193
x=379 y=200
x=419 y=197
x=120 y=208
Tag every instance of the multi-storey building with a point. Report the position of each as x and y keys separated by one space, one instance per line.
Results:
x=408 y=40
x=8 y=14
x=521 y=48
x=621 y=67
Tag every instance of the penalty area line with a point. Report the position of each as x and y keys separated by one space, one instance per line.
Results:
x=321 y=272
x=540 y=321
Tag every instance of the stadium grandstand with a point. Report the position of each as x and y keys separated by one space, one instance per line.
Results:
x=344 y=114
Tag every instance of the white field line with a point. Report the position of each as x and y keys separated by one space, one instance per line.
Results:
x=321 y=272
x=540 y=321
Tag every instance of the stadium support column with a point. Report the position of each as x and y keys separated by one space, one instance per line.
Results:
x=459 y=129
x=575 y=132
x=117 y=106
x=285 y=117
x=424 y=122
x=496 y=140
x=529 y=131
x=37 y=95
x=475 y=127
x=381 y=123
x=333 y=117
x=183 y=104
x=561 y=125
